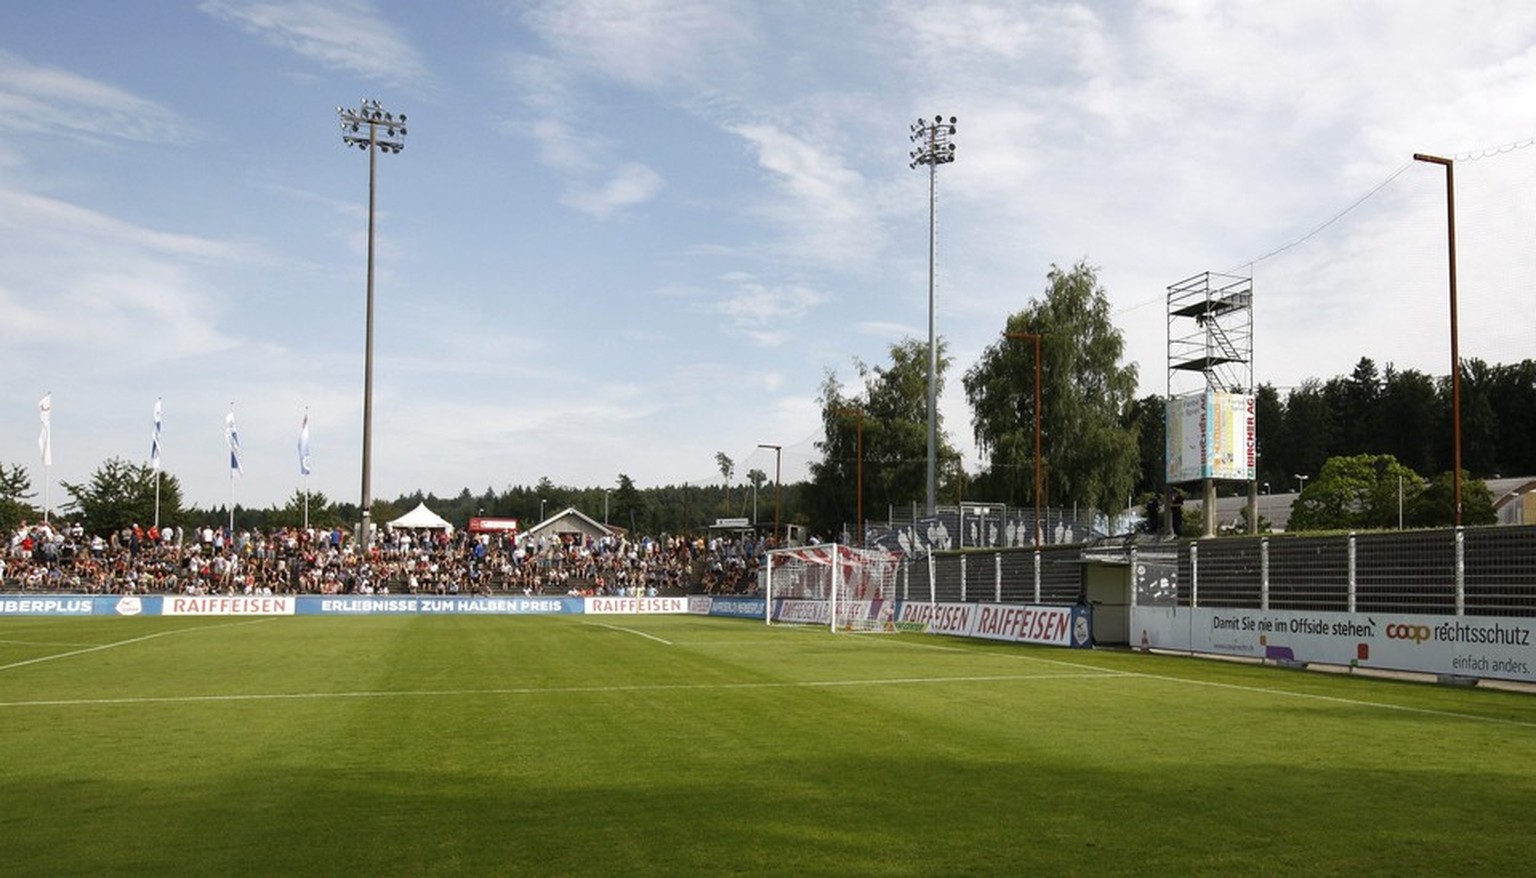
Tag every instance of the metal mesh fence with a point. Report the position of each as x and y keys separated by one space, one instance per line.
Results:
x=1393 y=572
x=1500 y=571
x=1229 y=574
x=1481 y=572
x=1412 y=572
x=1309 y=573
x=1018 y=577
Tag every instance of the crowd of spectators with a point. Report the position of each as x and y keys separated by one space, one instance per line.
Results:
x=62 y=557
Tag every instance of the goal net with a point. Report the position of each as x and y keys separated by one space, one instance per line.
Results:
x=842 y=587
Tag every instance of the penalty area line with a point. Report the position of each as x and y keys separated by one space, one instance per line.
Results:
x=628 y=631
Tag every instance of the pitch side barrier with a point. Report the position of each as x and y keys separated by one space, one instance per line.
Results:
x=1473 y=647
x=330 y=605
x=1017 y=623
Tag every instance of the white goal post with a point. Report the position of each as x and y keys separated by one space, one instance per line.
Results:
x=844 y=587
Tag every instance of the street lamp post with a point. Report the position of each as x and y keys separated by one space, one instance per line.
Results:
x=1450 y=227
x=778 y=486
x=1265 y=510
x=1035 y=336
x=1303 y=480
x=933 y=148
x=369 y=127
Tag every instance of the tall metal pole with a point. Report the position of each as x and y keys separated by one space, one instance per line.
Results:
x=1450 y=230
x=858 y=467
x=372 y=116
x=778 y=485
x=934 y=148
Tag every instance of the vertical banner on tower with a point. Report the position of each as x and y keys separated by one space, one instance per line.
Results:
x=1211 y=435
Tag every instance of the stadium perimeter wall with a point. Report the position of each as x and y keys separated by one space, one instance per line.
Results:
x=1057 y=626
x=1453 y=603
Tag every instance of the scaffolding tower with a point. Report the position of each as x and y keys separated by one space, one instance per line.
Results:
x=1210 y=333
x=1210 y=353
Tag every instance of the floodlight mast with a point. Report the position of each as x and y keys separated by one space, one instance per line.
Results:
x=371 y=128
x=933 y=147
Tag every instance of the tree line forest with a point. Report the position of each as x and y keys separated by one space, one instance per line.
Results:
x=1102 y=447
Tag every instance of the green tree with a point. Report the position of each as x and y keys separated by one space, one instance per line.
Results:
x=628 y=503
x=1513 y=397
x=15 y=491
x=1269 y=430
x=1090 y=457
x=1146 y=418
x=892 y=401
x=1410 y=419
x=1308 y=436
x=322 y=513
x=120 y=494
x=1435 y=504
x=727 y=469
x=1359 y=492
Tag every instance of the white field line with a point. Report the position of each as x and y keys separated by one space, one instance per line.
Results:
x=42 y=643
x=544 y=690
x=1336 y=699
x=628 y=631
x=1268 y=690
x=132 y=640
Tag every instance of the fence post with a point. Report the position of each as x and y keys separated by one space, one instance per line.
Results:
x=997 y=577
x=1461 y=572
x=963 y=583
x=1350 y=606
x=1194 y=574
x=1264 y=574
x=933 y=587
x=1037 y=576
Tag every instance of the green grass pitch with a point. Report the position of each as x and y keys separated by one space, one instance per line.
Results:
x=685 y=745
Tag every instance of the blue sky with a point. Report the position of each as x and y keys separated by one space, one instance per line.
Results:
x=624 y=236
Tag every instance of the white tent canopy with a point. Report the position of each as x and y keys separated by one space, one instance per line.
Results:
x=422 y=517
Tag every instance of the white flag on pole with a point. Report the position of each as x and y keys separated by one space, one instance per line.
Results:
x=234 y=444
x=154 y=441
x=45 y=438
x=304 y=446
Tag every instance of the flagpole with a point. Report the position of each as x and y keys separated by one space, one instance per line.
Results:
x=45 y=443
x=154 y=455
x=233 y=439
x=304 y=462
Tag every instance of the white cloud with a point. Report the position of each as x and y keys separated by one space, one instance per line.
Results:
x=631 y=184
x=648 y=44
x=339 y=34
x=768 y=315
x=822 y=207
x=42 y=99
x=81 y=284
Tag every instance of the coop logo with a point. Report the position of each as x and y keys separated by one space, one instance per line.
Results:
x=1416 y=633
